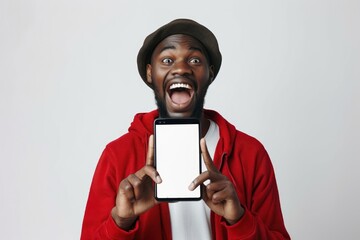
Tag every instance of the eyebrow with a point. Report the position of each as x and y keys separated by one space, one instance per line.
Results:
x=173 y=47
x=166 y=48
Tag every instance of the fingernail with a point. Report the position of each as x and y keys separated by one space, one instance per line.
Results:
x=158 y=179
x=191 y=186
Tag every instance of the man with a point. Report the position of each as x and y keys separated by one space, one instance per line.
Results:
x=240 y=198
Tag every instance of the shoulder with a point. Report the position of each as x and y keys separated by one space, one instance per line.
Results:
x=232 y=137
x=252 y=154
x=138 y=133
x=247 y=141
x=123 y=155
x=125 y=144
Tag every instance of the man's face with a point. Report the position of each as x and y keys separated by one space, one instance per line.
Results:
x=180 y=75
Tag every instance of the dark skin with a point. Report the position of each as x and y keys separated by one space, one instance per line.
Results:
x=178 y=59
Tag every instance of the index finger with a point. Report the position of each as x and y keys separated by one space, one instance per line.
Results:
x=150 y=152
x=149 y=169
x=206 y=156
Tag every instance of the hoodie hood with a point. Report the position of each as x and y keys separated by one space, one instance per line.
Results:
x=143 y=124
x=227 y=131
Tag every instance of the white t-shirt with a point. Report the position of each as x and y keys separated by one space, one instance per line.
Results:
x=191 y=220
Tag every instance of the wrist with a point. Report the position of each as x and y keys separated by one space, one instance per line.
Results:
x=123 y=223
x=237 y=218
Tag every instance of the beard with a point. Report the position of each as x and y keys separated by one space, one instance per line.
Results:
x=197 y=111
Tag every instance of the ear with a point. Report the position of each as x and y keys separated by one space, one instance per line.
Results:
x=211 y=73
x=148 y=73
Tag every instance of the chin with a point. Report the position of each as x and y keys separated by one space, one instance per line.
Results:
x=179 y=115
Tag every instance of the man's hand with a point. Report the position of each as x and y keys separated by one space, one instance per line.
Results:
x=219 y=194
x=136 y=192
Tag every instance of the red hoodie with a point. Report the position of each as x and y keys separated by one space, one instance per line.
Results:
x=240 y=157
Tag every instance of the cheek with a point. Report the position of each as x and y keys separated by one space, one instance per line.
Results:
x=158 y=85
x=156 y=79
x=204 y=74
x=158 y=76
x=204 y=82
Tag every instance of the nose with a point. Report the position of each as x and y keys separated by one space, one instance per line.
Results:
x=181 y=68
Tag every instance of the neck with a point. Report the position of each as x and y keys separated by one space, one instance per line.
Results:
x=205 y=124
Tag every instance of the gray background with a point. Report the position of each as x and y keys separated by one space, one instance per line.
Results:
x=69 y=85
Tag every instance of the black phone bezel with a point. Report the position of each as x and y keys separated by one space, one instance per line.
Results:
x=169 y=121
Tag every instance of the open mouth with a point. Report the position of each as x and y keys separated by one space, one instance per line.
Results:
x=180 y=93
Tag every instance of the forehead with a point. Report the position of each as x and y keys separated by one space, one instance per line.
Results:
x=178 y=41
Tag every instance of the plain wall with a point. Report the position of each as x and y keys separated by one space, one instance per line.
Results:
x=69 y=85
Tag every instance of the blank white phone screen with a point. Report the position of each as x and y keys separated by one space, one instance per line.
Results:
x=177 y=159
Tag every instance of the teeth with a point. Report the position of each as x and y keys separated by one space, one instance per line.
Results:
x=180 y=85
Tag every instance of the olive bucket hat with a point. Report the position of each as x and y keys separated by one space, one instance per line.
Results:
x=179 y=26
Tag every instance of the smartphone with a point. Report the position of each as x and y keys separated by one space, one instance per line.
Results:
x=177 y=158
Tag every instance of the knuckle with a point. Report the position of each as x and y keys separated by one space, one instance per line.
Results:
x=135 y=181
x=125 y=186
x=136 y=184
x=152 y=171
x=149 y=169
x=215 y=198
x=131 y=177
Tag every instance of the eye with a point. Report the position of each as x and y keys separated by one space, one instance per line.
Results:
x=195 y=60
x=167 y=60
